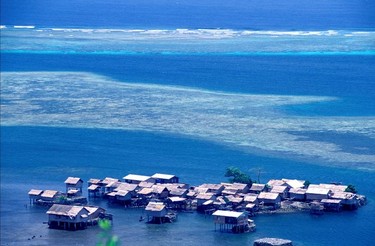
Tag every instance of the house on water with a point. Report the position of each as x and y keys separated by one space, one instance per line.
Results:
x=68 y=217
x=160 y=178
x=236 y=222
x=316 y=192
x=157 y=213
x=136 y=179
x=73 y=186
x=257 y=188
x=34 y=195
x=270 y=199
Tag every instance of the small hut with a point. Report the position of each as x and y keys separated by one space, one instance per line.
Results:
x=236 y=222
x=270 y=199
x=202 y=199
x=156 y=213
x=49 y=195
x=177 y=203
x=178 y=192
x=74 y=186
x=298 y=194
x=257 y=188
x=280 y=189
x=34 y=195
x=136 y=179
x=95 y=187
x=164 y=178
x=94 y=190
x=131 y=188
x=67 y=217
x=331 y=204
x=348 y=200
x=160 y=191
x=211 y=188
x=316 y=192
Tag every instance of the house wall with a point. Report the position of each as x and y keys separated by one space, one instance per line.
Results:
x=310 y=196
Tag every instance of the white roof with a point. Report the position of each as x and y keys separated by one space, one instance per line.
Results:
x=294 y=183
x=49 y=193
x=35 y=192
x=65 y=210
x=155 y=206
x=136 y=177
x=176 y=199
x=224 y=213
x=162 y=176
x=278 y=189
x=72 y=180
x=334 y=187
x=93 y=187
x=316 y=190
x=274 y=182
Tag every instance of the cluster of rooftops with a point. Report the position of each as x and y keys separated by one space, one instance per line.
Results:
x=160 y=193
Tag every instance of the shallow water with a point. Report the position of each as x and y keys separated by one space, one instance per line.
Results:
x=27 y=154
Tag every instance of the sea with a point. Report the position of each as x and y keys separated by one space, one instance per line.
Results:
x=95 y=89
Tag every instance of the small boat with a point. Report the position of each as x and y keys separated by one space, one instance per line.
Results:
x=171 y=217
x=251 y=225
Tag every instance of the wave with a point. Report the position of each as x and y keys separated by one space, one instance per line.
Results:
x=177 y=53
x=185 y=41
x=199 y=32
x=24 y=27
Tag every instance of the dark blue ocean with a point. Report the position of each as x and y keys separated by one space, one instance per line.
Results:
x=294 y=99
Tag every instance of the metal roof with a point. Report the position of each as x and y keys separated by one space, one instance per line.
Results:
x=93 y=187
x=162 y=176
x=35 y=192
x=231 y=214
x=66 y=210
x=317 y=190
x=268 y=195
x=176 y=199
x=94 y=181
x=126 y=186
x=155 y=206
x=136 y=177
x=278 y=189
x=146 y=191
x=122 y=193
x=294 y=183
x=73 y=180
x=257 y=187
x=49 y=193
x=297 y=191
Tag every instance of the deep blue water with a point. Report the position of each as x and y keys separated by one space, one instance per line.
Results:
x=42 y=157
x=237 y=14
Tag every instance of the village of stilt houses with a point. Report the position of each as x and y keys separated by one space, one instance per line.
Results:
x=232 y=206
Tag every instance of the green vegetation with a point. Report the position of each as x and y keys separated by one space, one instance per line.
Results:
x=62 y=200
x=237 y=176
x=307 y=183
x=106 y=237
x=351 y=188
